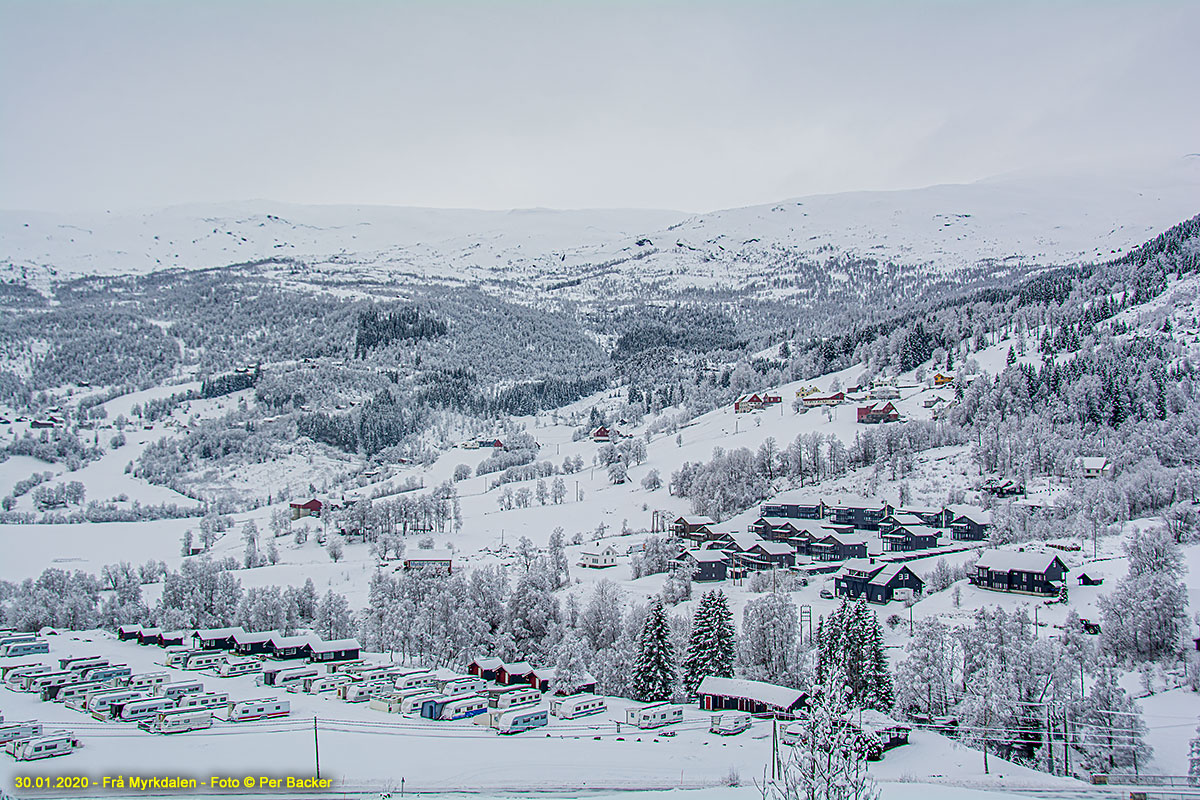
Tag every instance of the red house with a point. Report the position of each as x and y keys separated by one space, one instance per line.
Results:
x=873 y=414
x=747 y=403
x=310 y=509
x=510 y=674
x=601 y=434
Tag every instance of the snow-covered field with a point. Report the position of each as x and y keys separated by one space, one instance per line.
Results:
x=361 y=748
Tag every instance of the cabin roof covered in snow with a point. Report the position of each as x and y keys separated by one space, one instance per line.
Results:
x=697 y=520
x=919 y=530
x=704 y=556
x=487 y=663
x=745 y=541
x=856 y=501
x=884 y=571
x=429 y=555
x=775 y=548
x=1016 y=560
x=217 y=633
x=973 y=513
x=1093 y=462
x=334 y=645
x=766 y=693
x=299 y=640
x=845 y=538
x=518 y=668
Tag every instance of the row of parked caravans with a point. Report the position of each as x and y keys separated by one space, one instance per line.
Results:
x=92 y=685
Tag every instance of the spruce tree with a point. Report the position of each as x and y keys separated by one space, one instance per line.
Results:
x=724 y=635
x=850 y=643
x=654 y=669
x=696 y=662
x=878 y=692
x=711 y=646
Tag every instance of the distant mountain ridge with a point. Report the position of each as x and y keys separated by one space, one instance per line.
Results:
x=1001 y=223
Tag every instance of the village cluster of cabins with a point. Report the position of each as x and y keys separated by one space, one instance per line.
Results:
x=864 y=541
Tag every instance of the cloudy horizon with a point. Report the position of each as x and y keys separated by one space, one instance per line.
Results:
x=657 y=105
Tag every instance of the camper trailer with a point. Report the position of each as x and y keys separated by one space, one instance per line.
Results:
x=178 y=721
x=16 y=638
x=177 y=656
x=79 y=663
x=208 y=700
x=414 y=680
x=654 y=715
x=9 y=673
x=577 y=705
x=62 y=694
x=55 y=744
x=138 y=710
x=12 y=678
x=520 y=720
x=174 y=691
x=147 y=680
x=14 y=649
x=263 y=708
x=464 y=707
x=729 y=723
x=326 y=684
x=512 y=698
x=36 y=683
x=362 y=691
x=114 y=672
x=99 y=704
x=19 y=730
x=295 y=676
x=233 y=667
x=465 y=683
x=205 y=659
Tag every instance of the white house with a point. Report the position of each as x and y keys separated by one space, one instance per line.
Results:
x=598 y=558
x=1095 y=466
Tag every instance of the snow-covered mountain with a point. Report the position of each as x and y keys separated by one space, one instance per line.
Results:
x=1008 y=221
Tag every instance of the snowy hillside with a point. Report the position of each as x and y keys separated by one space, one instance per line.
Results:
x=1004 y=222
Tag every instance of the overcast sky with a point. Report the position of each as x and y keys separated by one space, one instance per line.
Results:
x=688 y=105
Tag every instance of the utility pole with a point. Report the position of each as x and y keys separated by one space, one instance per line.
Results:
x=1049 y=739
x=1066 y=745
x=774 y=747
x=316 y=747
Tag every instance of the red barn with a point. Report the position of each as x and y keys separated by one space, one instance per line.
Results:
x=873 y=414
x=310 y=509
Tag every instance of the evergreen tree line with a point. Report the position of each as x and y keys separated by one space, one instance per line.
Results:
x=202 y=594
x=407 y=324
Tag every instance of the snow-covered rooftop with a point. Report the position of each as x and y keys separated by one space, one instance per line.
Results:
x=765 y=693
x=705 y=556
x=334 y=645
x=428 y=555
x=1015 y=560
